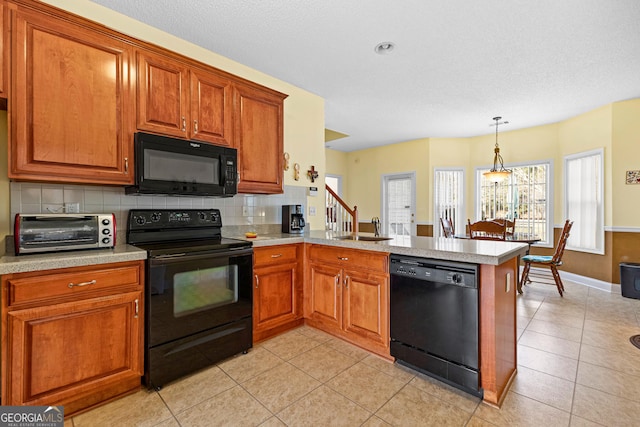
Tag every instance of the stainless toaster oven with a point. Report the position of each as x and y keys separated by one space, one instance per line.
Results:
x=36 y=233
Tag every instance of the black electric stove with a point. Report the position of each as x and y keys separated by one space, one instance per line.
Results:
x=198 y=291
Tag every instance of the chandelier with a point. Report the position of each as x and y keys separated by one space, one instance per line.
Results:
x=495 y=174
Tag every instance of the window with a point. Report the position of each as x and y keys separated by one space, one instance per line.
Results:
x=448 y=199
x=525 y=196
x=583 y=200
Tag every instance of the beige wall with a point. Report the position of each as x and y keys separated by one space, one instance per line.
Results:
x=613 y=127
x=337 y=164
x=304 y=111
x=368 y=166
x=625 y=156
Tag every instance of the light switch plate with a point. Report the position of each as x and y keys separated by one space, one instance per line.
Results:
x=312 y=211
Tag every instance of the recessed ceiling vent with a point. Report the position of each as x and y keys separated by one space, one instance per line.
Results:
x=384 y=48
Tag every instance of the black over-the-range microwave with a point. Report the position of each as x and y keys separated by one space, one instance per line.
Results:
x=171 y=166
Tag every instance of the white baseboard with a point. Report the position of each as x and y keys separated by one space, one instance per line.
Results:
x=582 y=280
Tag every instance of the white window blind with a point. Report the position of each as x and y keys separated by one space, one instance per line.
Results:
x=583 y=200
x=448 y=197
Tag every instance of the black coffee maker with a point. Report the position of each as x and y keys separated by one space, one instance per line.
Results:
x=292 y=219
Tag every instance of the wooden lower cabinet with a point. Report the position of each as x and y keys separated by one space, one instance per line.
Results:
x=347 y=294
x=277 y=290
x=78 y=342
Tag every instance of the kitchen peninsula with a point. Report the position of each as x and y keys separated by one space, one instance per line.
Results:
x=498 y=267
x=498 y=263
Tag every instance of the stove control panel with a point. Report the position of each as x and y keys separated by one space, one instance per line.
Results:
x=141 y=219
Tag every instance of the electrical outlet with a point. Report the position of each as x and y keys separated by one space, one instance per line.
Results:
x=72 y=207
x=312 y=211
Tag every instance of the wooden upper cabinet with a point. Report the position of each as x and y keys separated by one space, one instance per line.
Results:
x=71 y=106
x=259 y=139
x=211 y=108
x=163 y=96
x=176 y=100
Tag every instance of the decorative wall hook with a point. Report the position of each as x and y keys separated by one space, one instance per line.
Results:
x=312 y=174
x=286 y=161
x=296 y=171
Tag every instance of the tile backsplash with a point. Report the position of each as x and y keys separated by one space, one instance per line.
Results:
x=240 y=212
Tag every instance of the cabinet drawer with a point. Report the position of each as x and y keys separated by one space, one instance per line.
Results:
x=72 y=283
x=271 y=255
x=350 y=258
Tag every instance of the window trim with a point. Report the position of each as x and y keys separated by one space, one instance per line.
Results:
x=550 y=195
x=601 y=211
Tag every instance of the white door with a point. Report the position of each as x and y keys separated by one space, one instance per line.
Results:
x=398 y=204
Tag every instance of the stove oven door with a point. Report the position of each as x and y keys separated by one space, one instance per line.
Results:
x=199 y=311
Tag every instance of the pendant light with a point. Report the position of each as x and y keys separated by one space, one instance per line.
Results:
x=495 y=174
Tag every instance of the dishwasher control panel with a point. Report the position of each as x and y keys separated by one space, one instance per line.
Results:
x=446 y=272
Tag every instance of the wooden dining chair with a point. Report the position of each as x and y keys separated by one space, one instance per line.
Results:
x=487 y=230
x=510 y=224
x=447 y=227
x=549 y=261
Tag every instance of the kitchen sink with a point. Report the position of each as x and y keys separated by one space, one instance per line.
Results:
x=363 y=238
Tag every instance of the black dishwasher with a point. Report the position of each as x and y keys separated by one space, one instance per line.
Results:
x=434 y=319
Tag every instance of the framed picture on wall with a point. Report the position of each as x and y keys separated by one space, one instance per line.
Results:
x=633 y=177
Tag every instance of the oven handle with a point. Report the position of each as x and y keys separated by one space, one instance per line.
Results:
x=181 y=257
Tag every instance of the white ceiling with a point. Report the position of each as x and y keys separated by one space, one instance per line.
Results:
x=456 y=64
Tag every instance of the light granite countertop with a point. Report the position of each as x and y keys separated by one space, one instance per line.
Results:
x=38 y=262
x=472 y=251
x=463 y=250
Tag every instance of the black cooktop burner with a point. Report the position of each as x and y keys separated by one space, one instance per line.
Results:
x=167 y=231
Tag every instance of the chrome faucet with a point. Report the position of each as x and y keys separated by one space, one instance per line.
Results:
x=376 y=225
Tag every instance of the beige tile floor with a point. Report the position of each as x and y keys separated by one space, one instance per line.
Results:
x=576 y=367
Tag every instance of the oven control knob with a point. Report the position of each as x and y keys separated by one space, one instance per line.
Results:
x=106 y=231
x=456 y=278
x=155 y=217
x=202 y=215
x=106 y=221
x=140 y=220
x=106 y=240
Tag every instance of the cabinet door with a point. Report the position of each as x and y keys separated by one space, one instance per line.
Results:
x=366 y=302
x=71 y=110
x=259 y=140
x=325 y=295
x=163 y=95
x=4 y=55
x=275 y=296
x=61 y=354
x=211 y=108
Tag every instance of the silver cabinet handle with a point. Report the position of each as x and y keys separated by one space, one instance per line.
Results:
x=346 y=281
x=126 y=165
x=184 y=124
x=137 y=309
x=343 y=258
x=338 y=280
x=195 y=126
x=276 y=255
x=257 y=280
x=71 y=285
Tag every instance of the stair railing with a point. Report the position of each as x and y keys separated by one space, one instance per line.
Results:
x=339 y=216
